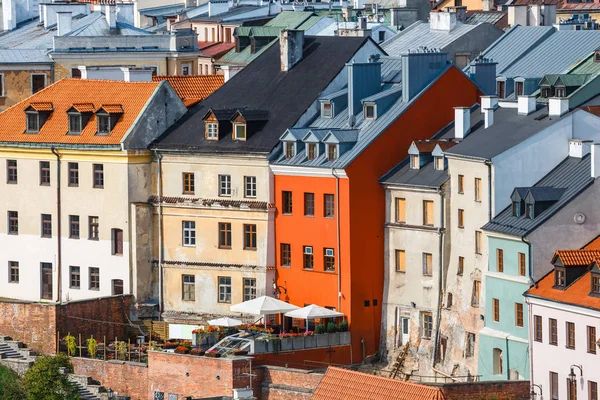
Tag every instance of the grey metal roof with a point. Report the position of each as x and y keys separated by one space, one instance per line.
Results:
x=426 y=176
x=546 y=193
x=163 y=11
x=572 y=175
x=419 y=35
x=330 y=29
x=508 y=130
x=556 y=54
x=12 y=56
x=516 y=42
x=234 y=13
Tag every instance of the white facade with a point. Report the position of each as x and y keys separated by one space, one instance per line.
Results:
x=547 y=358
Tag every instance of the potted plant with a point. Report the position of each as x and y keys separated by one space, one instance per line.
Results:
x=197 y=352
x=344 y=334
x=310 y=340
x=286 y=341
x=182 y=349
x=170 y=344
x=71 y=345
x=298 y=341
x=260 y=346
x=92 y=347
x=212 y=354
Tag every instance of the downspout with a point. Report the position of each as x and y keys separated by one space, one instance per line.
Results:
x=339 y=257
x=160 y=236
x=440 y=273
x=58 y=217
x=530 y=314
x=489 y=165
x=507 y=359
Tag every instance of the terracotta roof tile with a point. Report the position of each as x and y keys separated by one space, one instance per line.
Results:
x=343 y=384
x=61 y=96
x=593 y=245
x=192 y=89
x=571 y=258
x=84 y=107
x=111 y=108
x=577 y=293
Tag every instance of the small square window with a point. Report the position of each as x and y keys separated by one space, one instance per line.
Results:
x=367 y=303
x=240 y=132
x=327 y=110
x=370 y=112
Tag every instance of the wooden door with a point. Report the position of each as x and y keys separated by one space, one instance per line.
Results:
x=46 y=281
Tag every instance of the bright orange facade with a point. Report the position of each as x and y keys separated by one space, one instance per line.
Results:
x=362 y=217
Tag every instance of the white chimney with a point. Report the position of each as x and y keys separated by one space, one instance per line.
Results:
x=442 y=21
x=216 y=7
x=110 y=13
x=63 y=23
x=557 y=106
x=579 y=148
x=595 y=160
x=462 y=122
x=526 y=105
x=137 y=74
x=534 y=15
x=488 y=5
x=291 y=44
x=517 y=15
x=489 y=102
x=489 y=117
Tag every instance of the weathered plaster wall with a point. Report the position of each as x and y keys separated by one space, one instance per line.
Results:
x=17 y=84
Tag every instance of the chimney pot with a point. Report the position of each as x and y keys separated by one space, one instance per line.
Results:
x=526 y=105
x=489 y=117
x=462 y=122
x=557 y=106
x=291 y=43
x=63 y=23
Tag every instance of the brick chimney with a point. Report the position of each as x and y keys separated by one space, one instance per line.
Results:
x=291 y=43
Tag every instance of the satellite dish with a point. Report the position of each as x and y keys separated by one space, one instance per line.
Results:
x=579 y=218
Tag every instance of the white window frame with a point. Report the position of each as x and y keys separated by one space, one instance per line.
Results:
x=225 y=185
x=212 y=130
x=250 y=186
x=316 y=150
x=31 y=80
x=189 y=233
x=374 y=111
x=225 y=286
x=250 y=285
x=323 y=114
x=235 y=132
x=439 y=160
x=337 y=152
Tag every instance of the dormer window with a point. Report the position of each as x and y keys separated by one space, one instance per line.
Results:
x=546 y=92
x=239 y=131
x=290 y=150
x=369 y=111
x=439 y=163
x=33 y=122
x=327 y=110
x=595 y=288
x=74 y=124
x=559 y=278
x=529 y=211
x=561 y=92
x=103 y=124
x=414 y=162
x=212 y=130
x=311 y=151
x=597 y=56
x=516 y=208
x=332 y=152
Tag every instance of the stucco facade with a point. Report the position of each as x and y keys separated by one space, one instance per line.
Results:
x=17 y=81
x=207 y=258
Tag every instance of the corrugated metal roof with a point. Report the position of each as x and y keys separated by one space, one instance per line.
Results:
x=17 y=56
x=290 y=19
x=497 y=18
x=333 y=27
x=555 y=55
x=587 y=66
x=426 y=176
x=419 y=35
x=572 y=175
x=161 y=11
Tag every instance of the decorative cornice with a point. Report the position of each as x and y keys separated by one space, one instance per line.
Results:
x=207 y=264
x=209 y=203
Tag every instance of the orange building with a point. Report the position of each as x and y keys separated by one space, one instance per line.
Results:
x=330 y=206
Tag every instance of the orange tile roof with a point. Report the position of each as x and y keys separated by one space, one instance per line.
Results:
x=192 y=89
x=576 y=294
x=42 y=105
x=84 y=107
x=111 y=108
x=63 y=95
x=570 y=258
x=593 y=245
x=343 y=384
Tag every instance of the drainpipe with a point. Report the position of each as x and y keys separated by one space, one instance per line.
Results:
x=507 y=360
x=440 y=273
x=489 y=165
x=160 y=237
x=339 y=257
x=58 y=217
x=531 y=324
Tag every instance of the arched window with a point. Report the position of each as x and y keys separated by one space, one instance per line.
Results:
x=497 y=361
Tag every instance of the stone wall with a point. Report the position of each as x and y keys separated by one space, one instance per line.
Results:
x=129 y=379
x=491 y=390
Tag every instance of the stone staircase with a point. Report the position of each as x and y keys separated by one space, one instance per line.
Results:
x=88 y=388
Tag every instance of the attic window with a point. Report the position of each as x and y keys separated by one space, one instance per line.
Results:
x=595 y=288
x=529 y=210
x=516 y=208
x=439 y=163
x=103 y=124
x=331 y=152
x=414 y=162
x=290 y=150
x=597 y=56
x=546 y=92
x=311 y=151
x=212 y=129
x=559 y=278
x=327 y=110
x=75 y=123
x=33 y=122
x=561 y=92
x=239 y=131
x=369 y=111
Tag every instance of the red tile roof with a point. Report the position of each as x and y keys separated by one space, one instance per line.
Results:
x=593 y=245
x=192 y=89
x=572 y=258
x=427 y=146
x=67 y=93
x=217 y=50
x=576 y=294
x=343 y=384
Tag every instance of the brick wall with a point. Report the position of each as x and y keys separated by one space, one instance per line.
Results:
x=37 y=324
x=124 y=378
x=187 y=375
x=287 y=384
x=496 y=390
x=307 y=359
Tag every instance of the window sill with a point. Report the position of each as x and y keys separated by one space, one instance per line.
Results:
x=14 y=282
x=13 y=233
x=225 y=247
x=329 y=272
x=189 y=245
x=428 y=275
x=285 y=266
x=95 y=290
x=98 y=187
x=74 y=287
x=224 y=195
x=46 y=237
x=250 y=197
x=94 y=239
x=307 y=216
x=329 y=217
x=73 y=185
x=569 y=348
x=250 y=248
x=308 y=269
x=287 y=214
x=189 y=193
x=45 y=184
x=189 y=300
x=401 y=272
x=224 y=302
x=477 y=201
x=73 y=237
x=118 y=254
x=11 y=183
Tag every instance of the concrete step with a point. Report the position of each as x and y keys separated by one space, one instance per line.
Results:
x=9 y=352
x=5 y=338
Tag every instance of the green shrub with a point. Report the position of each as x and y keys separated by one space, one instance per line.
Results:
x=320 y=329
x=11 y=385
x=331 y=328
x=92 y=347
x=44 y=379
x=343 y=326
x=71 y=345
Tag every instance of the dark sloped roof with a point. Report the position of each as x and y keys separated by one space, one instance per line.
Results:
x=263 y=86
x=426 y=176
x=571 y=176
x=546 y=193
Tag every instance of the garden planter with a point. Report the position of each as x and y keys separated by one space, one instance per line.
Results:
x=287 y=344
x=212 y=355
x=298 y=342
x=240 y=353
x=345 y=338
x=197 y=352
x=322 y=340
x=260 y=346
x=182 y=351
x=334 y=339
x=310 y=341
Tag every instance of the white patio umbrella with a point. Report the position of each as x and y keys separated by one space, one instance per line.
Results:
x=225 y=321
x=313 y=311
x=263 y=305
